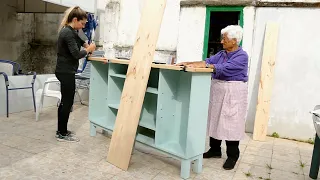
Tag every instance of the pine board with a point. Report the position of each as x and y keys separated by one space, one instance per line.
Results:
x=266 y=82
x=135 y=85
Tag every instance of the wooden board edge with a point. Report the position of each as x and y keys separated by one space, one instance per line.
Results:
x=127 y=120
x=260 y=129
x=167 y=66
x=199 y=70
x=119 y=61
x=159 y=66
x=99 y=59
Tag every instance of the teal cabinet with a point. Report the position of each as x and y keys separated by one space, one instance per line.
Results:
x=174 y=114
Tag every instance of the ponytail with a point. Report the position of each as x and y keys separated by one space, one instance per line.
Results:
x=71 y=13
x=64 y=21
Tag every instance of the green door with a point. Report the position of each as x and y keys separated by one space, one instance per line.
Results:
x=216 y=19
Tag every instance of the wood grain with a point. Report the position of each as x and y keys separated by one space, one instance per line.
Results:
x=135 y=85
x=200 y=70
x=100 y=59
x=266 y=82
x=159 y=66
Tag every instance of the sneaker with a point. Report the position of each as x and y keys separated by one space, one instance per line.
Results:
x=67 y=138
x=212 y=154
x=229 y=164
x=71 y=133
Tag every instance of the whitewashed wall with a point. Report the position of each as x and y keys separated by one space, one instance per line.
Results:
x=191 y=33
x=130 y=14
x=121 y=22
x=297 y=70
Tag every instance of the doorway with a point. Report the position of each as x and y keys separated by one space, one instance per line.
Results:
x=218 y=18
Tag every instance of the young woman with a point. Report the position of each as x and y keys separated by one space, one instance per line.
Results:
x=228 y=96
x=69 y=44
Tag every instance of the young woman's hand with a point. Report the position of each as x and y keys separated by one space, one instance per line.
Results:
x=91 y=47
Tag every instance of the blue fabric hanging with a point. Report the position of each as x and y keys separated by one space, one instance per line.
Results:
x=91 y=26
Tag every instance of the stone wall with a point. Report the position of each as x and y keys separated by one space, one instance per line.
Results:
x=29 y=38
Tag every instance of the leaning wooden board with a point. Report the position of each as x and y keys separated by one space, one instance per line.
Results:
x=135 y=85
x=160 y=66
x=266 y=82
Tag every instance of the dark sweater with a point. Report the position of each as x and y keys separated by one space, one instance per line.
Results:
x=69 y=44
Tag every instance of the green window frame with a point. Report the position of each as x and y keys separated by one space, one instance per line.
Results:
x=210 y=9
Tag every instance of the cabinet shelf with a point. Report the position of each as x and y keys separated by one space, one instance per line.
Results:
x=147 y=122
x=152 y=90
x=118 y=75
x=114 y=106
x=145 y=139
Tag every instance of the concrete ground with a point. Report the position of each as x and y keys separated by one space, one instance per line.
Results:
x=29 y=151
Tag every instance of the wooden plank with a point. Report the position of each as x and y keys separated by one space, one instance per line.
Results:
x=159 y=66
x=200 y=70
x=266 y=82
x=100 y=59
x=119 y=61
x=167 y=66
x=135 y=85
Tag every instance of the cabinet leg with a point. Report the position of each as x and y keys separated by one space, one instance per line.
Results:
x=93 y=130
x=104 y=132
x=185 y=169
x=197 y=165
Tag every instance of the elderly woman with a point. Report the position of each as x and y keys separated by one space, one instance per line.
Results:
x=228 y=95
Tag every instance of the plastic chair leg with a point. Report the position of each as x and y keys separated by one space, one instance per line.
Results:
x=7 y=97
x=79 y=97
x=40 y=105
x=34 y=101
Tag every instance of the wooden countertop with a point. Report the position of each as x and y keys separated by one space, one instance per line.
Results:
x=160 y=66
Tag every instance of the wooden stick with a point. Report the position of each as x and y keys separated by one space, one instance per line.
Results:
x=135 y=85
x=266 y=82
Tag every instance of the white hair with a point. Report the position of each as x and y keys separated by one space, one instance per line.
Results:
x=233 y=32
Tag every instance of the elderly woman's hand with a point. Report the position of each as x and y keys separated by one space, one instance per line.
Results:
x=183 y=64
x=200 y=64
x=197 y=64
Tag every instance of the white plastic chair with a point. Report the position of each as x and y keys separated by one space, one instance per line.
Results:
x=83 y=75
x=83 y=80
x=46 y=91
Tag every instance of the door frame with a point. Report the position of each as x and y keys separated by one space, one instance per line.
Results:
x=210 y=9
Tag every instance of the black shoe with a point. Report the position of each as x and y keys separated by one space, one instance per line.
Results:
x=67 y=138
x=229 y=164
x=212 y=154
x=69 y=133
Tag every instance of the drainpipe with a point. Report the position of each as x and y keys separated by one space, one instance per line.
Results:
x=95 y=11
x=95 y=7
